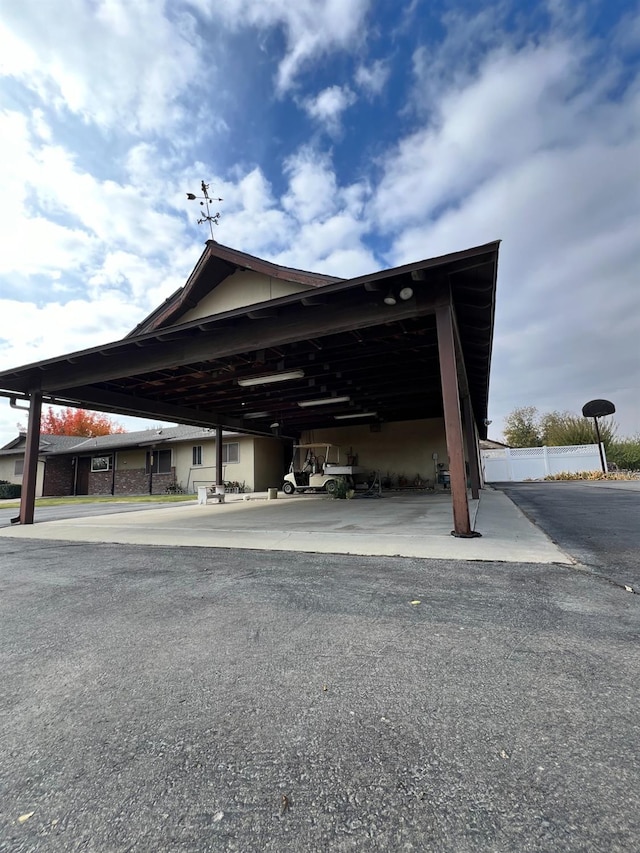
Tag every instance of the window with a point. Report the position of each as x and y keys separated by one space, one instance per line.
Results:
x=18 y=468
x=161 y=462
x=101 y=463
x=230 y=452
x=197 y=455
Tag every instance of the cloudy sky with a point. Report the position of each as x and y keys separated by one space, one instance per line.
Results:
x=344 y=136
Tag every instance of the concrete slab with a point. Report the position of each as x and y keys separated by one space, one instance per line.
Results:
x=415 y=525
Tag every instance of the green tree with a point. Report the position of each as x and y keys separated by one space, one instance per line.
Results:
x=625 y=453
x=522 y=427
x=558 y=429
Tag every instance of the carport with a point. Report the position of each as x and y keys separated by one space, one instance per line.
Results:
x=407 y=343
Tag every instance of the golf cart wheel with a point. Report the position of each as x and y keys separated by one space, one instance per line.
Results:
x=330 y=486
x=288 y=488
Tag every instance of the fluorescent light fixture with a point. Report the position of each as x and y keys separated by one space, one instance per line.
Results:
x=325 y=401
x=272 y=377
x=256 y=415
x=355 y=415
x=406 y=293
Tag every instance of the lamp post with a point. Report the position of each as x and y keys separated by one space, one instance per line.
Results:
x=598 y=409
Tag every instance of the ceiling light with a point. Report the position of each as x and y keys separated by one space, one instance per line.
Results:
x=273 y=377
x=256 y=415
x=355 y=415
x=390 y=298
x=406 y=293
x=325 y=400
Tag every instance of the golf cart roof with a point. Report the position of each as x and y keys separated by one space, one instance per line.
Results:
x=316 y=444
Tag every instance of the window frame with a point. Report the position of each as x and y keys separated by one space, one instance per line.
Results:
x=225 y=452
x=18 y=464
x=196 y=455
x=108 y=459
x=157 y=455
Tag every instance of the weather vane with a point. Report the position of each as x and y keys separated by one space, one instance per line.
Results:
x=211 y=218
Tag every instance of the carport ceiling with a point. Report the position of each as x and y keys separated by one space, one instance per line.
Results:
x=339 y=340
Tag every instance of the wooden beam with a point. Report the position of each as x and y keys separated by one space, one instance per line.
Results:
x=314 y=299
x=125 y=404
x=127 y=357
x=219 y=477
x=452 y=420
x=472 y=446
x=30 y=472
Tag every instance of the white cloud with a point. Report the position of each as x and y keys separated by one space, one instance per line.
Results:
x=373 y=78
x=327 y=107
x=532 y=151
x=519 y=103
x=110 y=62
x=312 y=28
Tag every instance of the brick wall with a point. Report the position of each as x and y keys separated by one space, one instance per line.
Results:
x=132 y=481
x=58 y=480
x=58 y=476
x=161 y=481
x=100 y=482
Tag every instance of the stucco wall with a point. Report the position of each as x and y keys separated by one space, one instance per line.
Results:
x=240 y=289
x=242 y=471
x=7 y=468
x=128 y=460
x=268 y=464
x=404 y=447
x=191 y=476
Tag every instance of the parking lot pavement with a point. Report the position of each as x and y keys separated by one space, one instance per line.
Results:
x=597 y=522
x=169 y=699
x=75 y=510
x=408 y=525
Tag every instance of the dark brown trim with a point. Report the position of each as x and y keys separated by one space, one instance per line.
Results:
x=472 y=446
x=219 y=477
x=452 y=420
x=116 y=360
x=30 y=472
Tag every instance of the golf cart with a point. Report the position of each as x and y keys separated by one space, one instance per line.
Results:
x=317 y=467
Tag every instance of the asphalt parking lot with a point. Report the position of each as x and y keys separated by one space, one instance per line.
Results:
x=597 y=522
x=169 y=699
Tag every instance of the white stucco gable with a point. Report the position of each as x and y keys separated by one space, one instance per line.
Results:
x=242 y=288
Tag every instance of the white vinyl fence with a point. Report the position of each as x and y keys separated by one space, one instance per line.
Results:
x=535 y=463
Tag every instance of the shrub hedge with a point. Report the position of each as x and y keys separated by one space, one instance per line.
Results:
x=10 y=490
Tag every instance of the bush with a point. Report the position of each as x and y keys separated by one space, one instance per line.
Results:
x=341 y=489
x=625 y=454
x=10 y=490
x=593 y=475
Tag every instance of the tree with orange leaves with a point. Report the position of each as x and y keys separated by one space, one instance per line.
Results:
x=78 y=422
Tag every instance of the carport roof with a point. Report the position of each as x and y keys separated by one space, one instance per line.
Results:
x=338 y=340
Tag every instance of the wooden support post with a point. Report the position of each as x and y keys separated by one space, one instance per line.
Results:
x=30 y=474
x=219 y=479
x=452 y=420
x=472 y=446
